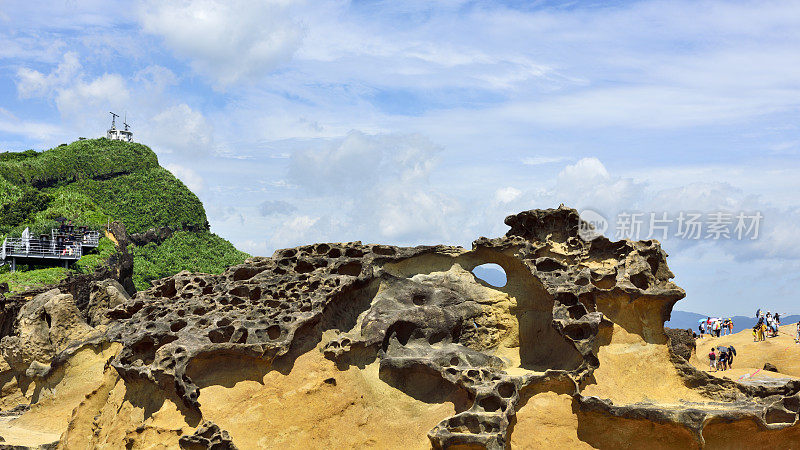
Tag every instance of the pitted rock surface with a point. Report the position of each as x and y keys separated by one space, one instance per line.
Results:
x=208 y=436
x=432 y=327
x=418 y=310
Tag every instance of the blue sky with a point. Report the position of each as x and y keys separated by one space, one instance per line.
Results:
x=423 y=122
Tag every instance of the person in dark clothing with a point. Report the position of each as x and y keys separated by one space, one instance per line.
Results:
x=731 y=354
x=723 y=358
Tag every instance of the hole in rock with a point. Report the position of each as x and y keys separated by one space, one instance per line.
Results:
x=549 y=265
x=491 y=274
x=274 y=332
x=777 y=415
x=177 y=325
x=490 y=404
x=303 y=267
x=506 y=390
x=352 y=268
x=640 y=281
x=402 y=331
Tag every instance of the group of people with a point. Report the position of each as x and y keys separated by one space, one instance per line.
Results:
x=767 y=326
x=721 y=358
x=715 y=326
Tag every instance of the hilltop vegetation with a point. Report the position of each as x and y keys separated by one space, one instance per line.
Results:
x=94 y=181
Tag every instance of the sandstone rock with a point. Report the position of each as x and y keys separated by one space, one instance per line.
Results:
x=104 y=295
x=46 y=325
x=65 y=321
x=681 y=342
x=208 y=436
x=419 y=310
x=578 y=329
x=32 y=341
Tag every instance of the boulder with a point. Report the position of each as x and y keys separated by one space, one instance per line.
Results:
x=45 y=325
x=104 y=295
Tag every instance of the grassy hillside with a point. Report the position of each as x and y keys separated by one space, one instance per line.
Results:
x=185 y=250
x=94 y=181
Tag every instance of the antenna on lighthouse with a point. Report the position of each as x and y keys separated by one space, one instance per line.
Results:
x=119 y=135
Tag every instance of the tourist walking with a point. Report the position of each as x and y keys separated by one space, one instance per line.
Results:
x=712 y=360
x=731 y=354
x=722 y=363
x=759 y=329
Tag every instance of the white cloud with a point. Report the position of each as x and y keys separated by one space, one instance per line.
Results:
x=590 y=169
x=32 y=83
x=180 y=129
x=230 y=41
x=293 y=231
x=190 y=178
x=507 y=194
x=155 y=78
x=108 y=90
x=39 y=131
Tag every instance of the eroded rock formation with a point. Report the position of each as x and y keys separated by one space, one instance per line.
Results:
x=383 y=341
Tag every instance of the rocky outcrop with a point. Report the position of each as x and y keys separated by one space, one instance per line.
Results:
x=681 y=342
x=104 y=295
x=577 y=331
x=46 y=326
x=154 y=235
x=208 y=436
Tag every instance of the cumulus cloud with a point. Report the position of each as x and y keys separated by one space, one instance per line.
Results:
x=108 y=90
x=73 y=91
x=181 y=129
x=32 y=83
x=155 y=78
x=507 y=194
x=229 y=41
x=588 y=184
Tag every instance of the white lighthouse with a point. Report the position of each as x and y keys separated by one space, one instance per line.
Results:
x=119 y=135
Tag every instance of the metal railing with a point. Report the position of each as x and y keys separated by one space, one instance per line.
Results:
x=61 y=244
x=87 y=239
x=39 y=248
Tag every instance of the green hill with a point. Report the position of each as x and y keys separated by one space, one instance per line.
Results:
x=94 y=181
